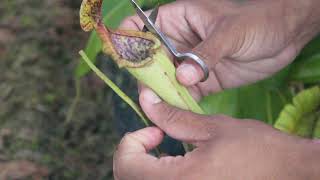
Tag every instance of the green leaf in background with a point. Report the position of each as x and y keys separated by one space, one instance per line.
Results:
x=258 y=102
x=307 y=71
x=262 y=101
x=114 y=12
x=310 y=49
x=148 y=4
x=225 y=102
x=255 y=102
x=306 y=67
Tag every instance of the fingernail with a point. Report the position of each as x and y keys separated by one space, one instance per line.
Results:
x=151 y=97
x=188 y=74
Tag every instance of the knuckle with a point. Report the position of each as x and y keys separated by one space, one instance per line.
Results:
x=128 y=22
x=209 y=129
x=171 y=115
x=218 y=124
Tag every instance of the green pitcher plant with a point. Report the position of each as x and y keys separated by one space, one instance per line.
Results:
x=142 y=54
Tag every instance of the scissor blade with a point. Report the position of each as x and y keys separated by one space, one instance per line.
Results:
x=152 y=28
x=153 y=17
x=147 y=22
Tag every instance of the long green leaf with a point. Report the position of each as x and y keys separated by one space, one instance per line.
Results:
x=262 y=101
x=259 y=102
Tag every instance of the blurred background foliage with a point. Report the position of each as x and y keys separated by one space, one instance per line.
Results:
x=59 y=121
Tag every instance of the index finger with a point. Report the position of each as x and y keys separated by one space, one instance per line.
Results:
x=134 y=22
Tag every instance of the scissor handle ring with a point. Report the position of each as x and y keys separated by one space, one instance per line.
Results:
x=199 y=61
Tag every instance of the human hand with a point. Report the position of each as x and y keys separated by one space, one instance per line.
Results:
x=226 y=148
x=241 y=42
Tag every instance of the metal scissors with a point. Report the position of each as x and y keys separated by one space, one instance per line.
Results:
x=150 y=26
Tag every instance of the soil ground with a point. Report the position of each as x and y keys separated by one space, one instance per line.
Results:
x=39 y=44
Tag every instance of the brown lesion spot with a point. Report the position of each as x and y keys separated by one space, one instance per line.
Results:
x=96 y=10
x=133 y=49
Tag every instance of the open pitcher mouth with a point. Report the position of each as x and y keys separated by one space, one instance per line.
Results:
x=128 y=48
x=133 y=49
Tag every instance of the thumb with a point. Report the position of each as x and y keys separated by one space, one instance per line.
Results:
x=179 y=124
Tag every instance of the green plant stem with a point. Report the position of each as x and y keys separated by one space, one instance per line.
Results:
x=75 y=101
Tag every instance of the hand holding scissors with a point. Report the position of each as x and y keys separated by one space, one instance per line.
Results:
x=150 y=26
